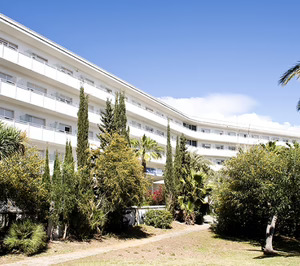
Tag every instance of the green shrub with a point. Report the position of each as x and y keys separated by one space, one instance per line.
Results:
x=26 y=237
x=158 y=218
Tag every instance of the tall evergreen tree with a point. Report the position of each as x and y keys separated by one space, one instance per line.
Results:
x=68 y=188
x=56 y=196
x=120 y=117
x=107 y=124
x=83 y=130
x=46 y=175
x=168 y=175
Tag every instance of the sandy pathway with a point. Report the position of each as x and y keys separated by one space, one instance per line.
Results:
x=54 y=259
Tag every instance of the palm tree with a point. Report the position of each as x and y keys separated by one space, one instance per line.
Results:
x=288 y=75
x=11 y=141
x=147 y=149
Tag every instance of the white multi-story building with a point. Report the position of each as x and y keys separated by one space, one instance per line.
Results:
x=39 y=94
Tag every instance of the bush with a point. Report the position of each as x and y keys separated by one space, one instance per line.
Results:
x=159 y=218
x=26 y=237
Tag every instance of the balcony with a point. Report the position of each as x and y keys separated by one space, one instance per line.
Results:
x=21 y=93
x=44 y=133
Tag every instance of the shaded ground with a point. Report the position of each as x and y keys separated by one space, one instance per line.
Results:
x=59 y=247
x=197 y=248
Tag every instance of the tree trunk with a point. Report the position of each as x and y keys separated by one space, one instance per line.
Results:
x=65 y=231
x=268 y=250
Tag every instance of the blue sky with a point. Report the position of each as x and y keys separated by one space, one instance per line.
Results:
x=225 y=53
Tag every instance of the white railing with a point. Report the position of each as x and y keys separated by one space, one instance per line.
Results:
x=45 y=133
x=53 y=72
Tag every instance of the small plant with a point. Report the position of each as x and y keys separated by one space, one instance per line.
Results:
x=158 y=218
x=26 y=237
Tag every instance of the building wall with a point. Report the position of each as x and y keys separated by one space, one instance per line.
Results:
x=42 y=79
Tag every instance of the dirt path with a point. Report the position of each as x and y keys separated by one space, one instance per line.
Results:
x=50 y=260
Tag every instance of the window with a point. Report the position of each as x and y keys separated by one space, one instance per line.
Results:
x=231 y=148
x=91 y=134
x=109 y=91
x=66 y=70
x=7 y=78
x=275 y=138
x=160 y=133
x=244 y=135
x=136 y=124
x=219 y=132
x=89 y=81
x=205 y=130
x=231 y=134
x=159 y=113
x=8 y=114
x=64 y=98
x=219 y=147
x=255 y=136
x=285 y=140
x=91 y=108
x=35 y=88
x=8 y=44
x=220 y=161
x=191 y=127
x=149 y=129
x=206 y=146
x=265 y=137
x=149 y=109
x=39 y=58
x=64 y=128
x=34 y=120
x=192 y=142
x=136 y=103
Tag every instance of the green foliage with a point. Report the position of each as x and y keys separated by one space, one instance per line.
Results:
x=11 y=141
x=26 y=237
x=119 y=180
x=21 y=181
x=107 y=125
x=146 y=149
x=159 y=218
x=46 y=174
x=83 y=130
x=192 y=193
x=256 y=185
x=170 y=187
x=120 y=118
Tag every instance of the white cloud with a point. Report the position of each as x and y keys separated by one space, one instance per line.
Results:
x=234 y=108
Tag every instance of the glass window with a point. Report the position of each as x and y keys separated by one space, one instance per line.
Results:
x=219 y=147
x=160 y=133
x=91 y=134
x=206 y=146
x=149 y=129
x=231 y=148
x=34 y=120
x=65 y=128
x=39 y=58
x=205 y=130
x=149 y=109
x=192 y=142
x=7 y=78
x=9 y=114
x=8 y=44
x=35 y=88
x=66 y=70
x=231 y=134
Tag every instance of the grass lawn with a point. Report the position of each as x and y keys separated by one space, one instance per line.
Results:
x=200 y=248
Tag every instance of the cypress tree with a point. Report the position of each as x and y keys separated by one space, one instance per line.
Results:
x=46 y=175
x=68 y=188
x=177 y=166
x=107 y=124
x=56 y=194
x=120 y=117
x=83 y=130
x=168 y=174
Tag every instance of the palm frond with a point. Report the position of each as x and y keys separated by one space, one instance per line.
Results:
x=289 y=74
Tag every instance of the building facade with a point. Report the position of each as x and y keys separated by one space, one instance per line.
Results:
x=39 y=94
